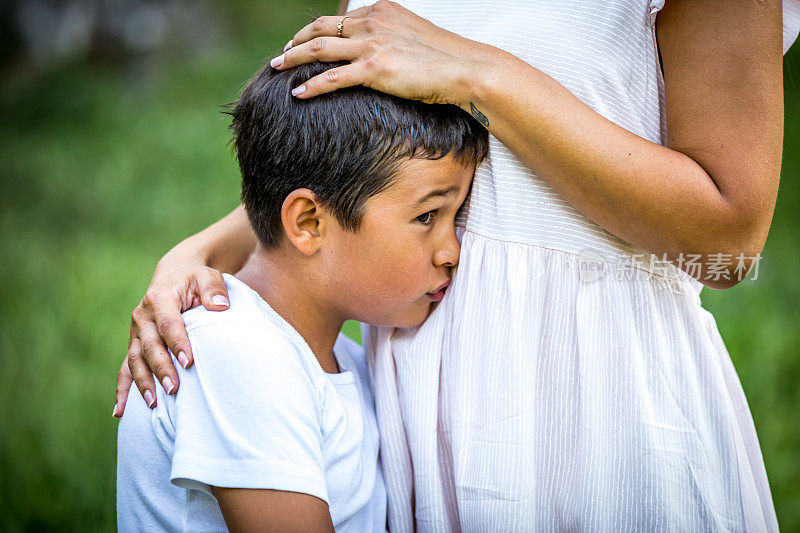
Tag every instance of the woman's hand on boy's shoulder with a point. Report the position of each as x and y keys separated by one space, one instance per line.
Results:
x=179 y=284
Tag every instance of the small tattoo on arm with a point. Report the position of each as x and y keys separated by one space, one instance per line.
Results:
x=480 y=117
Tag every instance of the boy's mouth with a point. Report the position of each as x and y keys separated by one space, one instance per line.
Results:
x=438 y=294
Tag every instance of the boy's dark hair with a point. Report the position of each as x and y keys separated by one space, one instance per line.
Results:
x=345 y=146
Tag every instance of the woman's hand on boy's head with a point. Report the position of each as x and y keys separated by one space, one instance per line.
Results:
x=157 y=326
x=390 y=49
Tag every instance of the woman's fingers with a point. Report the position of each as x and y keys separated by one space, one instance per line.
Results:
x=124 y=377
x=327 y=26
x=124 y=381
x=330 y=80
x=157 y=328
x=318 y=49
x=155 y=355
x=211 y=290
x=172 y=331
x=390 y=49
x=324 y=49
x=149 y=349
x=141 y=373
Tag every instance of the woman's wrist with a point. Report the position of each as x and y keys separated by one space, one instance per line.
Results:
x=480 y=78
x=224 y=246
x=190 y=250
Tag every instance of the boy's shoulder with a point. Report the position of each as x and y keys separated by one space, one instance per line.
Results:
x=256 y=337
x=249 y=349
x=249 y=326
x=245 y=307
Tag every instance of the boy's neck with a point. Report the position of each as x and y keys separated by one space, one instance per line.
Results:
x=291 y=294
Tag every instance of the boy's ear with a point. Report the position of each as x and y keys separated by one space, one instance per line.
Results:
x=304 y=220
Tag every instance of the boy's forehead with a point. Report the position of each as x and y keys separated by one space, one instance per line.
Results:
x=416 y=175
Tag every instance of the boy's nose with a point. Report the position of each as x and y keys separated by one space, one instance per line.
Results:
x=448 y=254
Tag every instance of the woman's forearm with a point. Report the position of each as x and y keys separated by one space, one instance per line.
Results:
x=224 y=245
x=634 y=188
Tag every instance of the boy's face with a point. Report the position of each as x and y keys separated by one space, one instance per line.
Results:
x=388 y=272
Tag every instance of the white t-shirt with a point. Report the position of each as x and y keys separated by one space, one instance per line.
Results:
x=255 y=410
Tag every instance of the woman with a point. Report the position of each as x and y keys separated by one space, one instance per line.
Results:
x=570 y=378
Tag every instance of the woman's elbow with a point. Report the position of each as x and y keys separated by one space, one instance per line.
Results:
x=734 y=258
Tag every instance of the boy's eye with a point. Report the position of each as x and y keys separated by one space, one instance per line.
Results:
x=426 y=218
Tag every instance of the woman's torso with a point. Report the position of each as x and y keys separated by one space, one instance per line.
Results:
x=568 y=379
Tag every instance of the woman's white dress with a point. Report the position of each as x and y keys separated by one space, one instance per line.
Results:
x=564 y=382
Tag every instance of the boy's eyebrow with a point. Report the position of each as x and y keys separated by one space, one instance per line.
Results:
x=437 y=193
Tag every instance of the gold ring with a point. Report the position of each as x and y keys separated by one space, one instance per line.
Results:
x=339 y=26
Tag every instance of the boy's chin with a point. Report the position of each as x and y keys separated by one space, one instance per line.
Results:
x=411 y=317
x=416 y=317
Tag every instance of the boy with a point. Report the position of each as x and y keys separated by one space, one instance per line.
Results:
x=353 y=198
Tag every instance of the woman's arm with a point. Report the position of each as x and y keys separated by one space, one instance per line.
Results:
x=226 y=244
x=187 y=276
x=711 y=190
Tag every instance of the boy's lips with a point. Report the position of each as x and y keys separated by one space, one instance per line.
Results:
x=438 y=294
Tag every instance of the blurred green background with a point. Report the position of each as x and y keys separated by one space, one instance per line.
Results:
x=115 y=151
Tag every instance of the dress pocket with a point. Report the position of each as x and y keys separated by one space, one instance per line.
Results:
x=692 y=475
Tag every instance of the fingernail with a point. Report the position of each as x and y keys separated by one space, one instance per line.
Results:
x=114 y=413
x=299 y=90
x=219 y=300
x=183 y=360
x=168 y=385
x=277 y=62
x=288 y=45
x=148 y=398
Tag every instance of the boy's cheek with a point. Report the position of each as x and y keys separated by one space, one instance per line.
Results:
x=397 y=303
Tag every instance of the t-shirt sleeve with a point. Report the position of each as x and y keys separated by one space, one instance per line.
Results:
x=791 y=20
x=247 y=414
